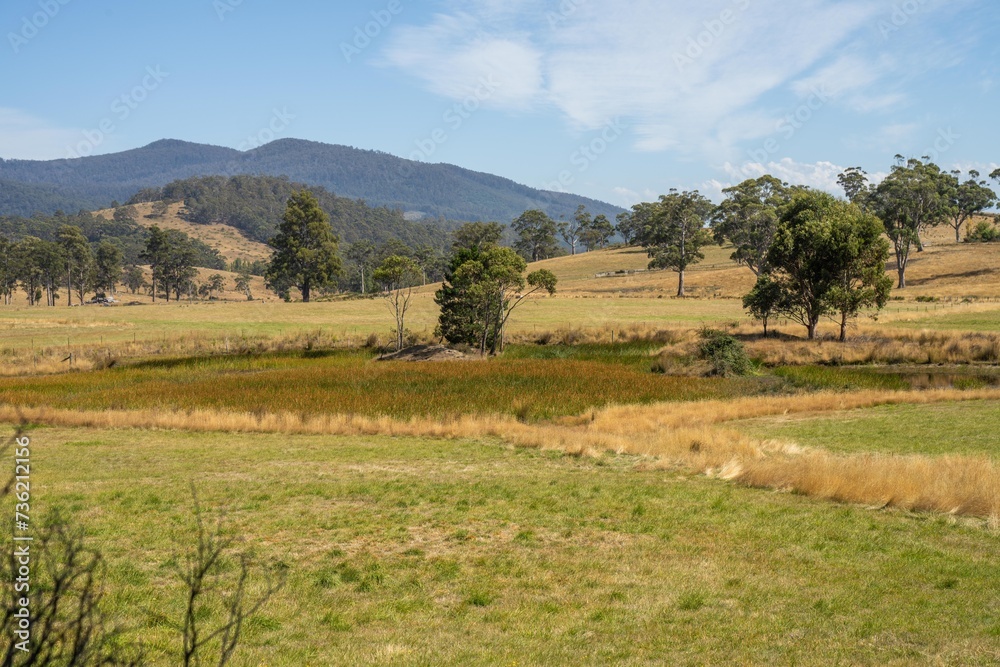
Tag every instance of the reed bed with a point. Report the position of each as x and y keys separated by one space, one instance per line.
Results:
x=354 y=383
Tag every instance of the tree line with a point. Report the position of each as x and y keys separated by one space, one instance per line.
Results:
x=86 y=254
x=814 y=255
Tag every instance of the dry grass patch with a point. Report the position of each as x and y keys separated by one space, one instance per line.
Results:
x=674 y=434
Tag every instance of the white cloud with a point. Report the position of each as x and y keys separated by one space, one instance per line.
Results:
x=689 y=77
x=25 y=137
x=855 y=81
x=457 y=60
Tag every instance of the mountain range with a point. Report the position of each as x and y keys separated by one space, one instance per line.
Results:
x=380 y=179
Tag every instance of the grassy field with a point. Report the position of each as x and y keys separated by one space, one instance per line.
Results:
x=355 y=318
x=583 y=510
x=415 y=552
x=947 y=428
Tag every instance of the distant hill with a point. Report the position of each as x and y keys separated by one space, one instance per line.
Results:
x=420 y=189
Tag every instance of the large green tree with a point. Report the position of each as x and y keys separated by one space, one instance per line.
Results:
x=861 y=252
x=536 y=235
x=598 y=233
x=827 y=257
x=305 y=248
x=911 y=198
x=27 y=265
x=156 y=253
x=748 y=217
x=482 y=289
x=171 y=256
x=966 y=199
x=631 y=223
x=675 y=233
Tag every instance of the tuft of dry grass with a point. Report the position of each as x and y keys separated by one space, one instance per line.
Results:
x=965 y=485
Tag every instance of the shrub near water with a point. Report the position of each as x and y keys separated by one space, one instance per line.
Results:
x=727 y=355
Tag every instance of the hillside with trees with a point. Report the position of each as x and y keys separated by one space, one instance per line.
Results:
x=423 y=190
x=255 y=204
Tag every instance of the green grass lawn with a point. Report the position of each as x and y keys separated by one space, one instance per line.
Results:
x=944 y=428
x=421 y=552
x=986 y=321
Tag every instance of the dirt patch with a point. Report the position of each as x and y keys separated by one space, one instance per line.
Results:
x=425 y=353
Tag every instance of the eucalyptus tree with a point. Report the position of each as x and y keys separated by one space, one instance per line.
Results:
x=748 y=217
x=827 y=258
x=482 y=289
x=911 y=198
x=536 y=235
x=78 y=260
x=675 y=232
x=966 y=199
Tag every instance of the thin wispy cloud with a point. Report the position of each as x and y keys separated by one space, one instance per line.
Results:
x=688 y=77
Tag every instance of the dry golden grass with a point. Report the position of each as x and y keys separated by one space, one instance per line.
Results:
x=964 y=485
x=671 y=434
x=870 y=345
x=716 y=276
x=230 y=243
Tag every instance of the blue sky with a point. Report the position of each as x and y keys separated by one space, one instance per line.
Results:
x=618 y=100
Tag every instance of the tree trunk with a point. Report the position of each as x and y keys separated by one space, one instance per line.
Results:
x=902 y=277
x=812 y=330
x=305 y=292
x=680 y=283
x=843 y=327
x=69 y=288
